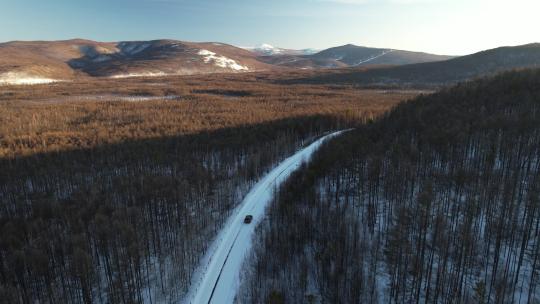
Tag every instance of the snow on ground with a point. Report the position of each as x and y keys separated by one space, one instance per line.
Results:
x=143 y=74
x=265 y=49
x=130 y=98
x=373 y=58
x=145 y=98
x=133 y=48
x=221 y=61
x=113 y=97
x=21 y=78
x=218 y=277
x=268 y=49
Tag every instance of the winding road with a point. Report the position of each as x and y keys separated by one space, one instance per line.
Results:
x=217 y=279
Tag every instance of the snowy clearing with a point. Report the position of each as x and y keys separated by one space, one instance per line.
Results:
x=221 y=61
x=218 y=276
x=132 y=98
x=21 y=78
x=109 y=98
x=145 y=74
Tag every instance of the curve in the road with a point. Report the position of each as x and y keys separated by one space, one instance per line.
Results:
x=219 y=278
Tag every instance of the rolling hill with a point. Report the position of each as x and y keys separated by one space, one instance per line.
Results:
x=444 y=72
x=50 y=61
x=37 y=62
x=167 y=57
x=34 y=62
x=352 y=56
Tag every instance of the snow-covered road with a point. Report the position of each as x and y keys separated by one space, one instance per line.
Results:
x=218 y=277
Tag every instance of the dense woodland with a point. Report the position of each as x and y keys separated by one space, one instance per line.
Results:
x=116 y=202
x=67 y=116
x=128 y=223
x=436 y=202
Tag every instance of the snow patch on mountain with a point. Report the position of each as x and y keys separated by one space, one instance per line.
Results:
x=21 y=78
x=132 y=48
x=372 y=58
x=269 y=50
x=221 y=61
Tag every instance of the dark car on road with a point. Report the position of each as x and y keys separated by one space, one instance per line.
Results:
x=248 y=219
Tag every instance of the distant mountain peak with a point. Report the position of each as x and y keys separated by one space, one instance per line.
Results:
x=266 y=49
x=265 y=46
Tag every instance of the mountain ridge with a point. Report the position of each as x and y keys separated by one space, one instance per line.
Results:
x=484 y=63
x=67 y=59
x=34 y=62
x=351 y=55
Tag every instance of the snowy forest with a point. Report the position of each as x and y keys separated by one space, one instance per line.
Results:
x=128 y=223
x=437 y=201
x=112 y=201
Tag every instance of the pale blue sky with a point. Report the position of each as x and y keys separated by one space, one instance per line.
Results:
x=453 y=27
